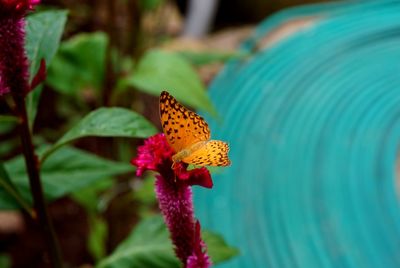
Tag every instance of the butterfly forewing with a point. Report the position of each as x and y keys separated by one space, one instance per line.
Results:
x=213 y=153
x=181 y=126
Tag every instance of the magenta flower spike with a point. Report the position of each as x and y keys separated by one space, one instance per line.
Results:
x=174 y=193
x=13 y=61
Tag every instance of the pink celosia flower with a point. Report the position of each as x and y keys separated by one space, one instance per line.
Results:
x=174 y=193
x=13 y=61
x=156 y=155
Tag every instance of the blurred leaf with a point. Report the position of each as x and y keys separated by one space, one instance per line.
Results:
x=10 y=192
x=159 y=70
x=217 y=248
x=7 y=202
x=107 y=122
x=206 y=57
x=144 y=191
x=43 y=34
x=7 y=126
x=79 y=64
x=32 y=102
x=124 y=149
x=88 y=197
x=5 y=261
x=145 y=196
x=148 y=245
x=97 y=237
x=69 y=170
x=9 y=145
x=149 y=5
x=8 y=118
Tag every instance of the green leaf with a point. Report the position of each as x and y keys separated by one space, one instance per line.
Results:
x=43 y=34
x=217 y=248
x=79 y=64
x=9 y=145
x=145 y=196
x=7 y=124
x=97 y=237
x=89 y=197
x=69 y=170
x=147 y=246
x=144 y=191
x=149 y=5
x=32 y=102
x=159 y=70
x=107 y=122
x=10 y=192
x=8 y=118
x=5 y=261
x=207 y=57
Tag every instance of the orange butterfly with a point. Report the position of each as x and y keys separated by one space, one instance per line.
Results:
x=189 y=135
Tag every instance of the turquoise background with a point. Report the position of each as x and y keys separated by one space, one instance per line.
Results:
x=313 y=124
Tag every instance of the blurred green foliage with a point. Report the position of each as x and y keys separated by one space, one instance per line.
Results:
x=158 y=69
x=68 y=170
x=5 y=261
x=149 y=5
x=83 y=71
x=97 y=237
x=79 y=64
x=106 y=122
x=149 y=246
x=11 y=194
x=43 y=34
x=208 y=57
x=217 y=248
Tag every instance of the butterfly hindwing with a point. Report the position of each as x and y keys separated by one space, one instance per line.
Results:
x=213 y=153
x=181 y=126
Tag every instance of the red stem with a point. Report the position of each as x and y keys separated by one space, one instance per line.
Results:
x=32 y=165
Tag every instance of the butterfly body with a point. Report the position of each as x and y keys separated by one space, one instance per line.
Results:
x=184 y=153
x=189 y=135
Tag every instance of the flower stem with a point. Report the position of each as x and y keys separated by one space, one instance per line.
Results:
x=32 y=165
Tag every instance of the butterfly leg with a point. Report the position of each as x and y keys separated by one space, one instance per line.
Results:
x=173 y=168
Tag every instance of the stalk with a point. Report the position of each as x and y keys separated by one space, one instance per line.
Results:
x=32 y=165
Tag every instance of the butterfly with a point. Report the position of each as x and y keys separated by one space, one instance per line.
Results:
x=188 y=134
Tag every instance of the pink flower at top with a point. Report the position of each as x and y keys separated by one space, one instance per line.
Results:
x=17 y=7
x=13 y=61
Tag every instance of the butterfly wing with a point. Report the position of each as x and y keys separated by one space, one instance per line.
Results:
x=213 y=153
x=181 y=126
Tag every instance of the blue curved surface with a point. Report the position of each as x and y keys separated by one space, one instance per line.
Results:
x=314 y=127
